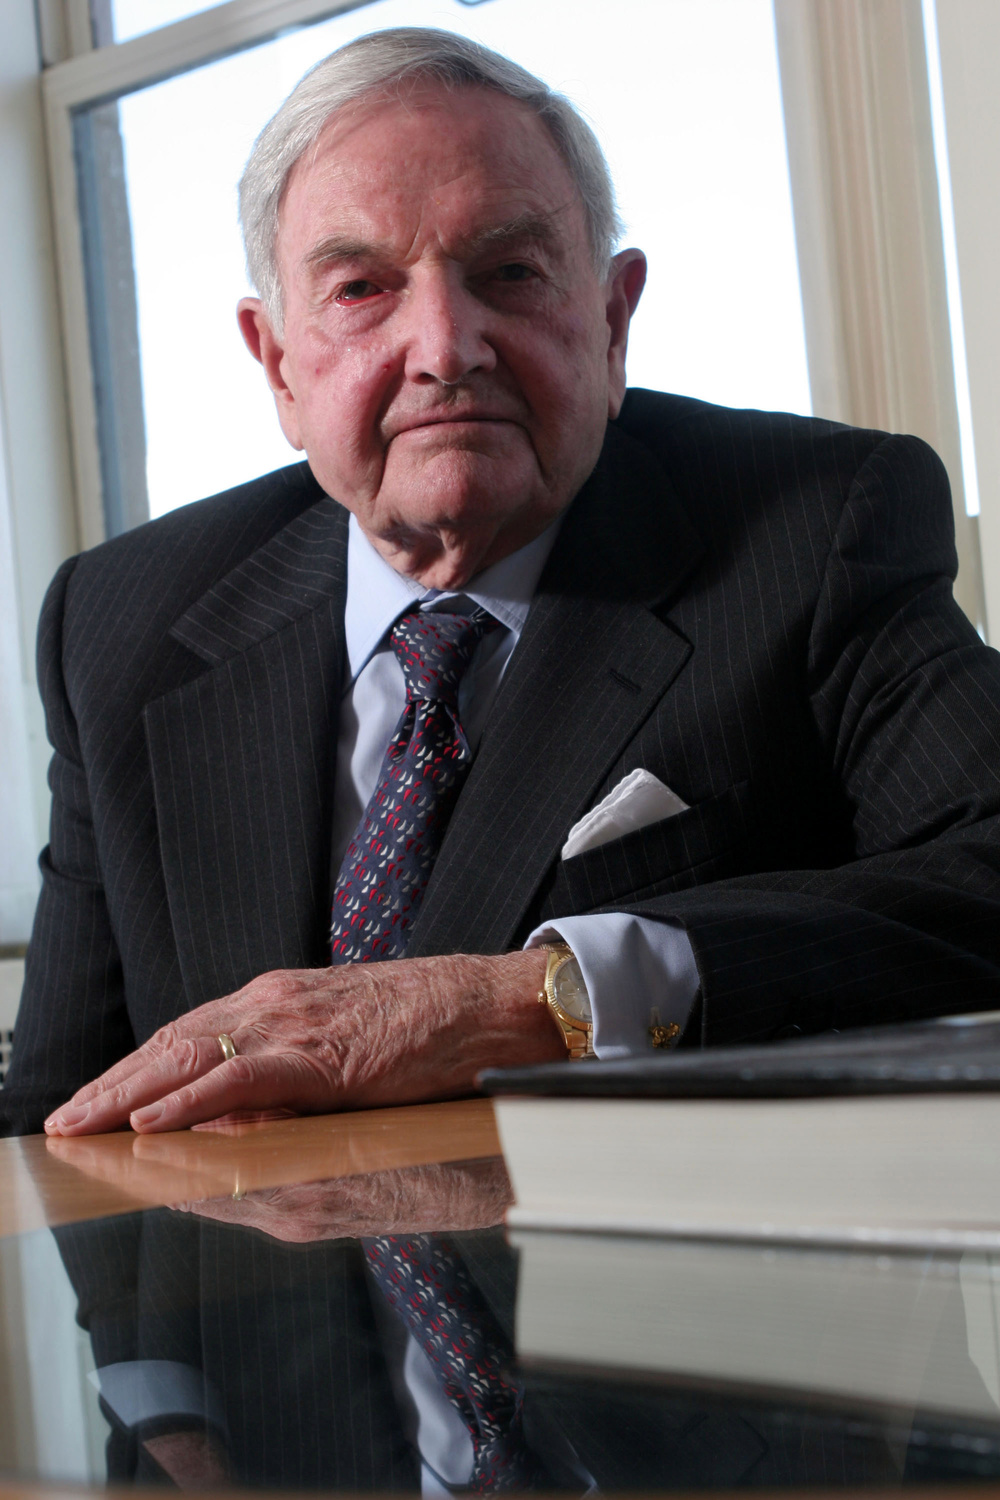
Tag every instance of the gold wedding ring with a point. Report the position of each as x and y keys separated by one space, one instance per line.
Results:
x=227 y=1045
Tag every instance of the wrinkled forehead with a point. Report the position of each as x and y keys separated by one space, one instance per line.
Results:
x=467 y=148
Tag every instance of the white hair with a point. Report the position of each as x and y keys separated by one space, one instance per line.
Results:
x=381 y=61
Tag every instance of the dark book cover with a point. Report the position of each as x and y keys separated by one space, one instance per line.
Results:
x=957 y=1053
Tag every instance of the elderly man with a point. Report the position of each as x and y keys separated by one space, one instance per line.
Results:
x=500 y=594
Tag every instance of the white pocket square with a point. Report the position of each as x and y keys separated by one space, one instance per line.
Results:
x=636 y=801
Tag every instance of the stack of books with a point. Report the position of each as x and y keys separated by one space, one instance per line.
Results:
x=816 y=1218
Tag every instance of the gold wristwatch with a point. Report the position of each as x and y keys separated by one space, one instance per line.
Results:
x=565 y=994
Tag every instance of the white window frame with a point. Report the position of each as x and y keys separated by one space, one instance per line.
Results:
x=106 y=73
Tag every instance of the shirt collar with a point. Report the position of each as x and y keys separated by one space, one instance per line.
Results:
x=377 y=595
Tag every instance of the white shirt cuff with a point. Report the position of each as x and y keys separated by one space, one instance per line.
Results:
x=143 y=1390
x=631 y=966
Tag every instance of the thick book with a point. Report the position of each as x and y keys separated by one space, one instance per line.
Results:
x=888 y=1138
x=846 y=1327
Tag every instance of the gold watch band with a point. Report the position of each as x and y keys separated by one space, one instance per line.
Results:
x=576 y=1033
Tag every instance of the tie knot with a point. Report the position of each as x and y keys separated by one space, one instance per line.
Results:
x=434 y=650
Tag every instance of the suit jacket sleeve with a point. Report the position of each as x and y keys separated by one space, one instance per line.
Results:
x=905 y=702
x=73 y=955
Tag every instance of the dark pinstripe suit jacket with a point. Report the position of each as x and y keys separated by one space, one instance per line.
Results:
x=756 y=607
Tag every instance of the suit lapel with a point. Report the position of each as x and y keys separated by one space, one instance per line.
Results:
x=592 y=663
x=243 y=760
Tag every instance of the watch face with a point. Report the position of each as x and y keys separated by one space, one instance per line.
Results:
x=571 y=992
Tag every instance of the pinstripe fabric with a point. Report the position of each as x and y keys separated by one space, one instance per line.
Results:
x=190 y=832
x=754 y=606
x=283 y=1334
x=818 y=699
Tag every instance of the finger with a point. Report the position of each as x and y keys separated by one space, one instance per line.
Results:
x=79 y=1154
x=185 y=1062
x=265 y=1212
x=196 y=1024
x=225 y=1210
x=121 y=1071
x=264 y=1082
x=250 y=1216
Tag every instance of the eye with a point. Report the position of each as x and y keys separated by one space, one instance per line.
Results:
x=357 y=291
x=516 y=271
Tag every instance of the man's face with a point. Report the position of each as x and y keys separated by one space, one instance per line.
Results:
x=449 y=357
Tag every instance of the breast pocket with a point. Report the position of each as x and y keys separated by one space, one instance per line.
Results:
x=691 y=847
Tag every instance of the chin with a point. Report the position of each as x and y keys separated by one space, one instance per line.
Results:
x=441 y=559
x=449 y=574
x=446 y=518
x=457 y=487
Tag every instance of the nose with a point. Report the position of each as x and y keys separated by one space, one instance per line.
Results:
x=446 y=333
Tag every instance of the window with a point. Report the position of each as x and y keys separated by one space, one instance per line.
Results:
x=691 y=122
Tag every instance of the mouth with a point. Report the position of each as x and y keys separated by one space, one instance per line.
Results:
x=454 y=421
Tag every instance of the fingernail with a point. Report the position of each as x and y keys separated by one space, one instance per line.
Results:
x=147 y=1115
x=70 y=1114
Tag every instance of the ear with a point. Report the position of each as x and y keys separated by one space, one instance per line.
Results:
x=624 y=288
x=268 y=350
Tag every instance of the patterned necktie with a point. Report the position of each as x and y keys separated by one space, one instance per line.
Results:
x=426 y=1283
x=388 y=862
x=377 y=896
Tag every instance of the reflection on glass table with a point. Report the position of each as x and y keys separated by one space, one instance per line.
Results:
x=376 y=1330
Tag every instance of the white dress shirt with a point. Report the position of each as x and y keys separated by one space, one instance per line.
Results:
x=630 y=964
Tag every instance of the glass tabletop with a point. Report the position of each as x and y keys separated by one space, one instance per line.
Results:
x=380 y=1330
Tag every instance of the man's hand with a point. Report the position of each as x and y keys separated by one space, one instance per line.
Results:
x=316 y=1040
x=435 y=1199
x=193 y=1460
